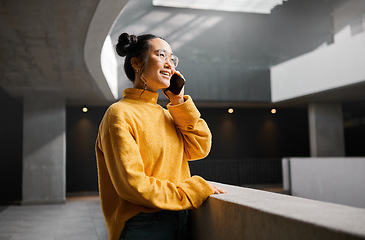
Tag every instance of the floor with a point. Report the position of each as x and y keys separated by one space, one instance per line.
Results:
x=78 y=219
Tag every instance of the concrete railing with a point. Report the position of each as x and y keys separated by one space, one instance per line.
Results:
x=247 y=214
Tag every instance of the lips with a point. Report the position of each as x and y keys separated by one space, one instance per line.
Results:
x=165 y=73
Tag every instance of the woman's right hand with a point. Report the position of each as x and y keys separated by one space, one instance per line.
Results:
x=175 y=99
x=217 y=190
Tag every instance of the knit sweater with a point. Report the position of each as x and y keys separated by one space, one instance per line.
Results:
x=142 y=153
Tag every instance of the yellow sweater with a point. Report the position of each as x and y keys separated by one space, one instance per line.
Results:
x=142 y=155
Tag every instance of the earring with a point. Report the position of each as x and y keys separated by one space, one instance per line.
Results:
x=143 y=80
x=137 y=70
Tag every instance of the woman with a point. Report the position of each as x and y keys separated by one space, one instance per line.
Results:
x=143 y=150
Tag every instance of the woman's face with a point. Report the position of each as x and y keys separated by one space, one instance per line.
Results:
x=157 y=71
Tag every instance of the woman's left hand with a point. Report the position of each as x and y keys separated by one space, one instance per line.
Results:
x=217 y=190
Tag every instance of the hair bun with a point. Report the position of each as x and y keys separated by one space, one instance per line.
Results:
x=125 y=44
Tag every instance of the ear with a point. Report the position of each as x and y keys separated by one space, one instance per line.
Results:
x=136 y=63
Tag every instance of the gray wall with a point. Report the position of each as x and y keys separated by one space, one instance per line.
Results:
x=11 y=132
x=44 y=148
x=227 y=56
x=331 y=179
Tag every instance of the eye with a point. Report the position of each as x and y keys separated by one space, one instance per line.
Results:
x=174 y=60
x=161 y=54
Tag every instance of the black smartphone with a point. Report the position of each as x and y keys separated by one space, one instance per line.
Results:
x=176 y=84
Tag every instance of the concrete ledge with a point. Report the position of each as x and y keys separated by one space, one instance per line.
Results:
x=244 y=213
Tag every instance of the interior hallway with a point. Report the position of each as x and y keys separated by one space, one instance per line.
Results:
x=80 y=218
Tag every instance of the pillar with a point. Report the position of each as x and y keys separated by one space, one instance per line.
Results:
x=326 y=130
x=44 y=149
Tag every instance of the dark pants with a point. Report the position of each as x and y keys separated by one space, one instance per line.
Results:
x=163 y=225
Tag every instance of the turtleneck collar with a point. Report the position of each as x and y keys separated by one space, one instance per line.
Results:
x=140 y=95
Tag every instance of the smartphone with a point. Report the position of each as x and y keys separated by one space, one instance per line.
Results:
x=176 y=84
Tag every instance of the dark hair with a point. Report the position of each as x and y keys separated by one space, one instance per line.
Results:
x=130 y=46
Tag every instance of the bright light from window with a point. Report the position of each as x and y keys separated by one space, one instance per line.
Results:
x=253 y=6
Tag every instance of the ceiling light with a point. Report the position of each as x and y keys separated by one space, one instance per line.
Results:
x=252 y=6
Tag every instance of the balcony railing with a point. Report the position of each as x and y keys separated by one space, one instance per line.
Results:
x=247 y=214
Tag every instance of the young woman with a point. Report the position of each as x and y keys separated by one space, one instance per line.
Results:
x=143 y=149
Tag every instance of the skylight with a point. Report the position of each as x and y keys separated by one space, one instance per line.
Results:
x=252 y=6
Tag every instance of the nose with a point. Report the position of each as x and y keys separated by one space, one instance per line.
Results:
x=169 y=64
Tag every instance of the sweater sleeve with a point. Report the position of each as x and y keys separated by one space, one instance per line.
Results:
x=195 y=131
x=126 y=170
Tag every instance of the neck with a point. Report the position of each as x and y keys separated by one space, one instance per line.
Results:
x=139 y=82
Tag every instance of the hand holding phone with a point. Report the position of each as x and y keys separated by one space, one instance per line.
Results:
x=177 y=82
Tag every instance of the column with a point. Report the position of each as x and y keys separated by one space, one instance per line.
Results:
x=326 y=130
x=44 y=148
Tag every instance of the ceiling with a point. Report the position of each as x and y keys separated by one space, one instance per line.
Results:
x=42 y=48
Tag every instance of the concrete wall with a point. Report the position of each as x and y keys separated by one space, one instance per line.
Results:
x=227 y=56
x=348 y=19
x=337 y=180
x=326 y=130
x=44 y=148
x=11 y=132
x=252 y=214
x=335 y=66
